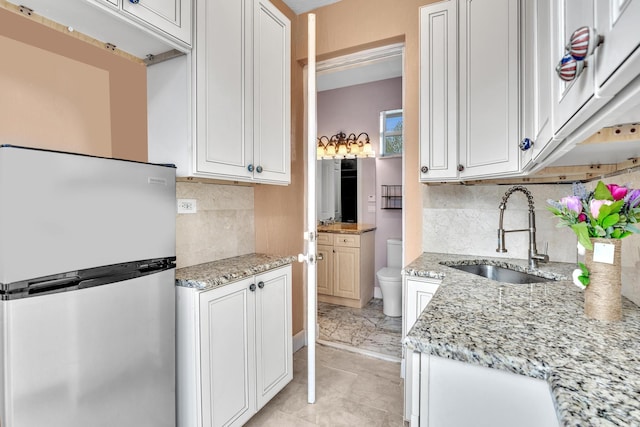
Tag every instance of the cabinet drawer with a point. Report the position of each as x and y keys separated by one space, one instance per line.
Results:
x=348 y=240
x=325 y=239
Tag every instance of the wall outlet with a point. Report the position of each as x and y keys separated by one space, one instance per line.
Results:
x=187 y=206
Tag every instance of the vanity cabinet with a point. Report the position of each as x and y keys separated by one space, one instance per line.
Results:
x=242 y=63
x=469 y=89
x=234 y=348
x=142 y=28
x=345 y=272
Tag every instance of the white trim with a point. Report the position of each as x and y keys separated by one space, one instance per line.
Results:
x=360 y=351
x=299 y=340
x=360 y=58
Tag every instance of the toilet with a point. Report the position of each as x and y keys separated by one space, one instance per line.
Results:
x=390 y=279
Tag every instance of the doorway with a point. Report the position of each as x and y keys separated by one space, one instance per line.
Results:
x=353 y=93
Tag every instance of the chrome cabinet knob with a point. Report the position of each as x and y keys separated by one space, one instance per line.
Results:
x=460 y=168
x=252 y=287
x=259 y=169
x=250 y=167
x=261 y=285
x=424 y=169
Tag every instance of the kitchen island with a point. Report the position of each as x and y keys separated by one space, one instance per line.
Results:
x=536 y=330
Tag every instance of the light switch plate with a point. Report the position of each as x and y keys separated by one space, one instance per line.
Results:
x=187 y=206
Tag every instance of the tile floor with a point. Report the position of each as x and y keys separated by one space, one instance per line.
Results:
x=366 y=330
x=351 y=390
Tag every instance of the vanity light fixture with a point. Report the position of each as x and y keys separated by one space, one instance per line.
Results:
x=341 y=146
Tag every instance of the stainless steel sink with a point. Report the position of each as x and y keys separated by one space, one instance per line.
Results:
x=500 y=274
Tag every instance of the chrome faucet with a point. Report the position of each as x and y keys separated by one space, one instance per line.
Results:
x=534 y=256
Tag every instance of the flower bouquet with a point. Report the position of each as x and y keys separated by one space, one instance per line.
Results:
x=610 y=211
x=600 y=218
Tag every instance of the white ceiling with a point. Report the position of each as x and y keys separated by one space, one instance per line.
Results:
x=302 y=6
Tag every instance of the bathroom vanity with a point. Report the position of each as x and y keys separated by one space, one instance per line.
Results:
x=346 y=255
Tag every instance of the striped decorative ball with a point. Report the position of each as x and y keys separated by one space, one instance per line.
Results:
x=582 y=43
x=569 y=68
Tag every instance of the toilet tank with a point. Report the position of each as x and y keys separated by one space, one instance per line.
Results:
x=394 y=253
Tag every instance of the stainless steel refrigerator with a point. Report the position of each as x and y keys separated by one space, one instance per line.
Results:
x=87 y=289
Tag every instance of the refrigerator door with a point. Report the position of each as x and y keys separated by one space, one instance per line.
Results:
x=102 y=357
x=64 y=212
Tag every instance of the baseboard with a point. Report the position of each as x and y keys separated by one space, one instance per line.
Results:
x=299 y=340
x=377 y=293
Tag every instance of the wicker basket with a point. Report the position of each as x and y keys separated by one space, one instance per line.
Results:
x=603 y=296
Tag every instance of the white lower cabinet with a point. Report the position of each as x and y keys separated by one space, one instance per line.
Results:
x=417 y=294
x=234 y=349
x=451 y=393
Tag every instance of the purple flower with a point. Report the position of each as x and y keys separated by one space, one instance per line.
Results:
x=617 y=191
x=595 y=205
x=633 y=198
x=572 y=203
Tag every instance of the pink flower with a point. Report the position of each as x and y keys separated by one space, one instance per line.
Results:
x=617 y=191
x=595 y=205
x=582 y=217
x=572 y=203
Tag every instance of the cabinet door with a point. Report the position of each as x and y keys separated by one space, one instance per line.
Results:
x=325 y=270
x=438 y=91
x=227 y=352
x=617 y=21
x=573 y=102
x=418 y=295
x=489 y=87
x=537 y=74
x=346 y=272
x=170 y=16
x=271 y=91
x=274 y=355
x=223 y=61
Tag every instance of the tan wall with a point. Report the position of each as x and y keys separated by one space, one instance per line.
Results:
x=352 y=25
x=279 y=211
x=62 y=93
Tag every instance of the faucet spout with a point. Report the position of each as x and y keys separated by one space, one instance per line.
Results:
x=534 y=256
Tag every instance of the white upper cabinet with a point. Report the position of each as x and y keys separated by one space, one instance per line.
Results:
x=570 y=98
x=224 y=112
x=617 y=21
x=171 y=16
x=537 y=74
x=489 y=87
x=439 y=91
x=147 y=27
x=243 y=102
x=469 y=89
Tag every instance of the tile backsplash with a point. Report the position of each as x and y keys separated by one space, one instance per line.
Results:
x=460 y=219
x=223 y=226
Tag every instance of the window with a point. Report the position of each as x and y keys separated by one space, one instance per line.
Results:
x=391 y=133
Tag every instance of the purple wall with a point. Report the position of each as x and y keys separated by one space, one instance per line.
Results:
x=357 y=109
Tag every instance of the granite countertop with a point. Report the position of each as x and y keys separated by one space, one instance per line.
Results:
x=346 y=228
x=222 y=272
x=539 y=330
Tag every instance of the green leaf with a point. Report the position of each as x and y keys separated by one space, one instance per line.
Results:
x=554 y=210
x=631 y=228
x=582 y=232
x=625 y=234
x=610 y=221
x=584 y=280
x=616 y=233
x=585 y=271
x=616 y=206
x=602 y=192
